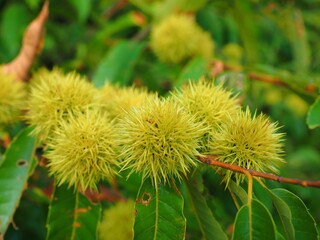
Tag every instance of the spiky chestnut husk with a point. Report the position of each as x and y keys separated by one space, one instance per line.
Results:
x=205 y=45
x=54 y=96
x=248 y=142
x=44 y=73
x=117 y=100
x=12 y=98
x=117 y=222
x=233 y=53
x=177 y=38
x=211 y=105
x=160 y=140
x=82 y=151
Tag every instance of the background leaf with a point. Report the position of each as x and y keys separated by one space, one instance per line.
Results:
x=117 y=65
x=159 y=215
x=192 y=71
x=261 y=225
x=303 y=222
x=72 y=216
x=313 y=119
x=244 y=17
x=123 y=22
x=14 y=17
x=82 y=7
x=14 y=172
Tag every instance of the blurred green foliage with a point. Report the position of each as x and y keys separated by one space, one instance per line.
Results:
x=107 y=40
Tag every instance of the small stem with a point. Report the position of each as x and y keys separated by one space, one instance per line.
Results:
x=211 y=160
x=157 y=209
x=250 y=184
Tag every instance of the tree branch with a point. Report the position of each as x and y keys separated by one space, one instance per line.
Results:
x=268 y=79
x=211 y=160
x=218 y=67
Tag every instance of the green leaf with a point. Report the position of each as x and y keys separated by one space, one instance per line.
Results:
x=292 y=23
x=238 y=191
x=254 y=224
x=279 y=236
x=82 y=7
x=209 y=226
x=14 y=20
x=33 y=4
x=13 y=175
x=313 y=118
x=303 y=223
x=118 y=64
x=72 y=216
x=192 y=71
x=245 y=18
x=284 y=213
x=125 y=21
x=159 y=213
x=143 y=5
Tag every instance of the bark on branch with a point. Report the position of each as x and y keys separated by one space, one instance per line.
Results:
x=211 y=160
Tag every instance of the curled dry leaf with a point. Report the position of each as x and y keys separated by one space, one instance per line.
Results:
x=31 y=46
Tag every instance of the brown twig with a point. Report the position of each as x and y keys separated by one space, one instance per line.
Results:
x=142 y=34
x=211 y=160
x=116 y=8
x=219 y=67
x=267 y=79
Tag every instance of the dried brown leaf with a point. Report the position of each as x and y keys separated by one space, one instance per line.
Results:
x=31 y=46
